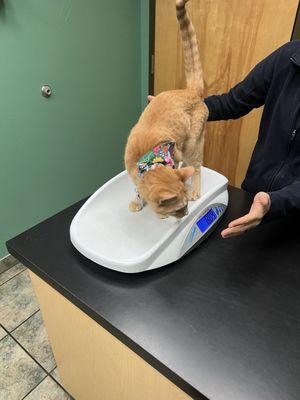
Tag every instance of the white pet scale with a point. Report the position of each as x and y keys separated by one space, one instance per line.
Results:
x=106 y=232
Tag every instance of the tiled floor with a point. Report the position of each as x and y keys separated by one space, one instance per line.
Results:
x=27 y=366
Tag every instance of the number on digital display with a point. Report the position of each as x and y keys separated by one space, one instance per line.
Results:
x=207 y=220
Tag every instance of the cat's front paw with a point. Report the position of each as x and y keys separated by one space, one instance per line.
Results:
x=162 y=216
x=134 y=206
x=193 y=195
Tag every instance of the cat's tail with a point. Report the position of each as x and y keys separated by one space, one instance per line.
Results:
x=192 y=63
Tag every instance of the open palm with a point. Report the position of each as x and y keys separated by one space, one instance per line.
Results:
x=260 y=206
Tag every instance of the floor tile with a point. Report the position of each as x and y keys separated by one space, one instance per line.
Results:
x=17 y=301
x=48 y=390
x=19 y=374
x=33 y=337
x=5 y=276
x=7 y=262
x=2 y=333
x=56 y=376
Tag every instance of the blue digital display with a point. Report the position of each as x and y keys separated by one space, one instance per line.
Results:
x=207 y=220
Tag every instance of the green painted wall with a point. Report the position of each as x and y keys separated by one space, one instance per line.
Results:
x=56 y=151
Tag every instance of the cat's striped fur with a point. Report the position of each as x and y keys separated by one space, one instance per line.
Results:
x=192 y=62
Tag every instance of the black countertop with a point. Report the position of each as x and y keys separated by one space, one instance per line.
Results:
x=223 y=323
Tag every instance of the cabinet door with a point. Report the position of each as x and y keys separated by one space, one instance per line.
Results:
x=233 y=35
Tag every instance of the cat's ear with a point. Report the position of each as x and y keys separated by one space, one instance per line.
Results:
x=185 y=173
x=166 y=197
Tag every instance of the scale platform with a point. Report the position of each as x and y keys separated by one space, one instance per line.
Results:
x=106 y=232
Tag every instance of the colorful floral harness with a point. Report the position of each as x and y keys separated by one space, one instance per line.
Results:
x=162 y=154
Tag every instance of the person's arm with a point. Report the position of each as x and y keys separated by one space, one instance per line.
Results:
x=267 y=207
x=246 y=95
x=285 y=201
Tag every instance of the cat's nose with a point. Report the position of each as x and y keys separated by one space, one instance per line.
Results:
x=185 y=210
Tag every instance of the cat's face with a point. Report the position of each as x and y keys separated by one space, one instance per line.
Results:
x=165 y=192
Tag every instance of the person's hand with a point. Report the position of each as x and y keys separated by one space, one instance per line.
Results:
x=260 y=206
x=150 y=98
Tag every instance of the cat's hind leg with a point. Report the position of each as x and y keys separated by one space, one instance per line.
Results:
x=195 y=160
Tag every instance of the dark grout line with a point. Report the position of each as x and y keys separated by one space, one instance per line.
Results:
x=27 y=352
x=52 y=369
x=6 y=269
x=59 y=384
x=9 y=333
x=19 y=344
x=3 y=327
x=48 y=375
x=12 y=276
x=4 y=264
x=31 y=390
x=40 y=365
x=22 y=322
x=37 y=362
x=5 y=330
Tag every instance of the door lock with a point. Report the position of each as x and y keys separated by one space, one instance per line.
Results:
x=46 y=91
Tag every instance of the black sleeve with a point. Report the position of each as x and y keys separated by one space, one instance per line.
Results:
x=284 y=202
x=246 y=95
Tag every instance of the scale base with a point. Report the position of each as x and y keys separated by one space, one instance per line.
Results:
x=106 y=232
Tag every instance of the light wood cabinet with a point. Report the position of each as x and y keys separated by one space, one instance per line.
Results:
x=92 y=363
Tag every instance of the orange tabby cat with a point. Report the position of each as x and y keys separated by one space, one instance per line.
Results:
x=170 y=130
